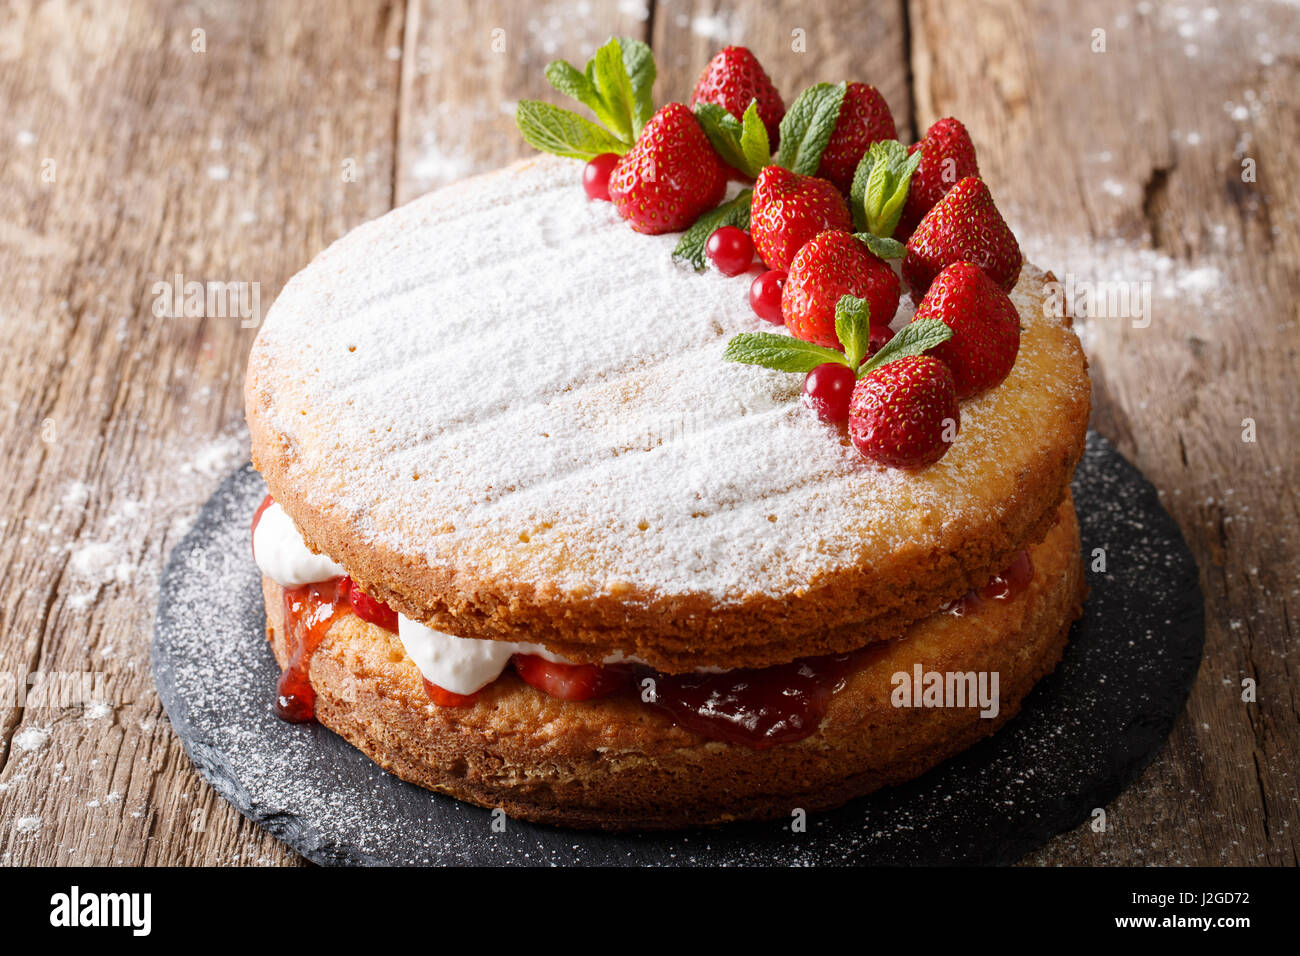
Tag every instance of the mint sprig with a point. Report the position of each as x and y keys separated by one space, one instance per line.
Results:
x=807 y=126
x=555 y=130
x=881 y=248
x=915 y=338
x=615 y=86
x=785 y=353
x=880 y=185
x=742 y=143
x=733 y=213
x=853 y=328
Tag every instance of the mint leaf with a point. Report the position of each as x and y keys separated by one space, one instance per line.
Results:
x=807 y=126
x=913 y=339
x=639 y=64
x=555 y=130
x=609 y=76
x=733 y=213
x=853 y=328
x=569 y=80
x=784 y=353
x=753 y=141
x=741 y=144
x=880 y=185
x=881 y=248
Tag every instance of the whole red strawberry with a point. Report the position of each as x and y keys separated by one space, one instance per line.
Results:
x=831 y=265
x=985 y=327
x=788 y=209
x=963 y=226
x=905 y=414
x=671 y=175
x=733 y=79
x=947 y=157
x=864 y=119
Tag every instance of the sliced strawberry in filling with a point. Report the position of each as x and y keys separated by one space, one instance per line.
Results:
x=371 y=610
x=571 y=681
x=445 y=698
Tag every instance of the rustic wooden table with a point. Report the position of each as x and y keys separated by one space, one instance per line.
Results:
x=1126 y=142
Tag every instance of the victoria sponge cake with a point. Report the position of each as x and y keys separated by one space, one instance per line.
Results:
x=617 y=490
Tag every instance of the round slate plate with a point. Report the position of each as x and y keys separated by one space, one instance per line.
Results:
x=1082 y=736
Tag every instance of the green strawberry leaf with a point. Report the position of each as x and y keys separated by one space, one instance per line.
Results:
x=639 y=64
x=555 y=130
x=853 y=328
x=784 y=353
x=732 y=213
x=881 y=248
x=880 y=185
x=807 y=126
x=913 y=339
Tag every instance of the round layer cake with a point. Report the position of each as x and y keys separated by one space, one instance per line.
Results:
x=507 y=416
x=617 y=763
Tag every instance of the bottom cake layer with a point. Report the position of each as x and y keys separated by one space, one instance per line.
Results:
x=616 y=763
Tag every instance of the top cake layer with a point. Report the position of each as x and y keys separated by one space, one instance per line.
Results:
x=508 y=415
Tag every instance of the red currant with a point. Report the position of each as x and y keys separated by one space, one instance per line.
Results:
x=827 y=390
x=731 y=250
x=765 y=295
x=595 y=175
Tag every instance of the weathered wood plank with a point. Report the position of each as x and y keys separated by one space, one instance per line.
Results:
x=465 y=66
x=1126 y=164
x=798 y=44
x=224 y=163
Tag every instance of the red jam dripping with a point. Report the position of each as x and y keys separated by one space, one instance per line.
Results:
x=1007 y=586
x=308 y=612
x=1012 y=582
x=756 y=708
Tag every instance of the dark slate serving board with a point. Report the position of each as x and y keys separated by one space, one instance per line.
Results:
x=1083 y=735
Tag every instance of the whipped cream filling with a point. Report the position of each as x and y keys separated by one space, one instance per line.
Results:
x=460 y=665
x=284 y=557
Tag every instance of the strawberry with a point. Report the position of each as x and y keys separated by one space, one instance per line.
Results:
x=831 y=265
x=947 y=156
x=570 y=681
x=963 y=226
x=788 y=209
x=369 y=609
x=864 y=119
x=733 y=79
x=904 y=414
x=671 y=175
x=984 y=322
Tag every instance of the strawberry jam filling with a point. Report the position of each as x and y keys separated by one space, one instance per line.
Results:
x=1007 y=586
x=752 y=707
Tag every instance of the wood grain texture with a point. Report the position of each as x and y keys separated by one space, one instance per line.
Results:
x=238 y=163
x=223 y=165
x=1127 y=165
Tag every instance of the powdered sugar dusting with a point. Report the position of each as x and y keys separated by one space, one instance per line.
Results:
x=542 y=392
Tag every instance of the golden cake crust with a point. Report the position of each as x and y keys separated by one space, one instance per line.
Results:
x=561 y=571
x=615 y=763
